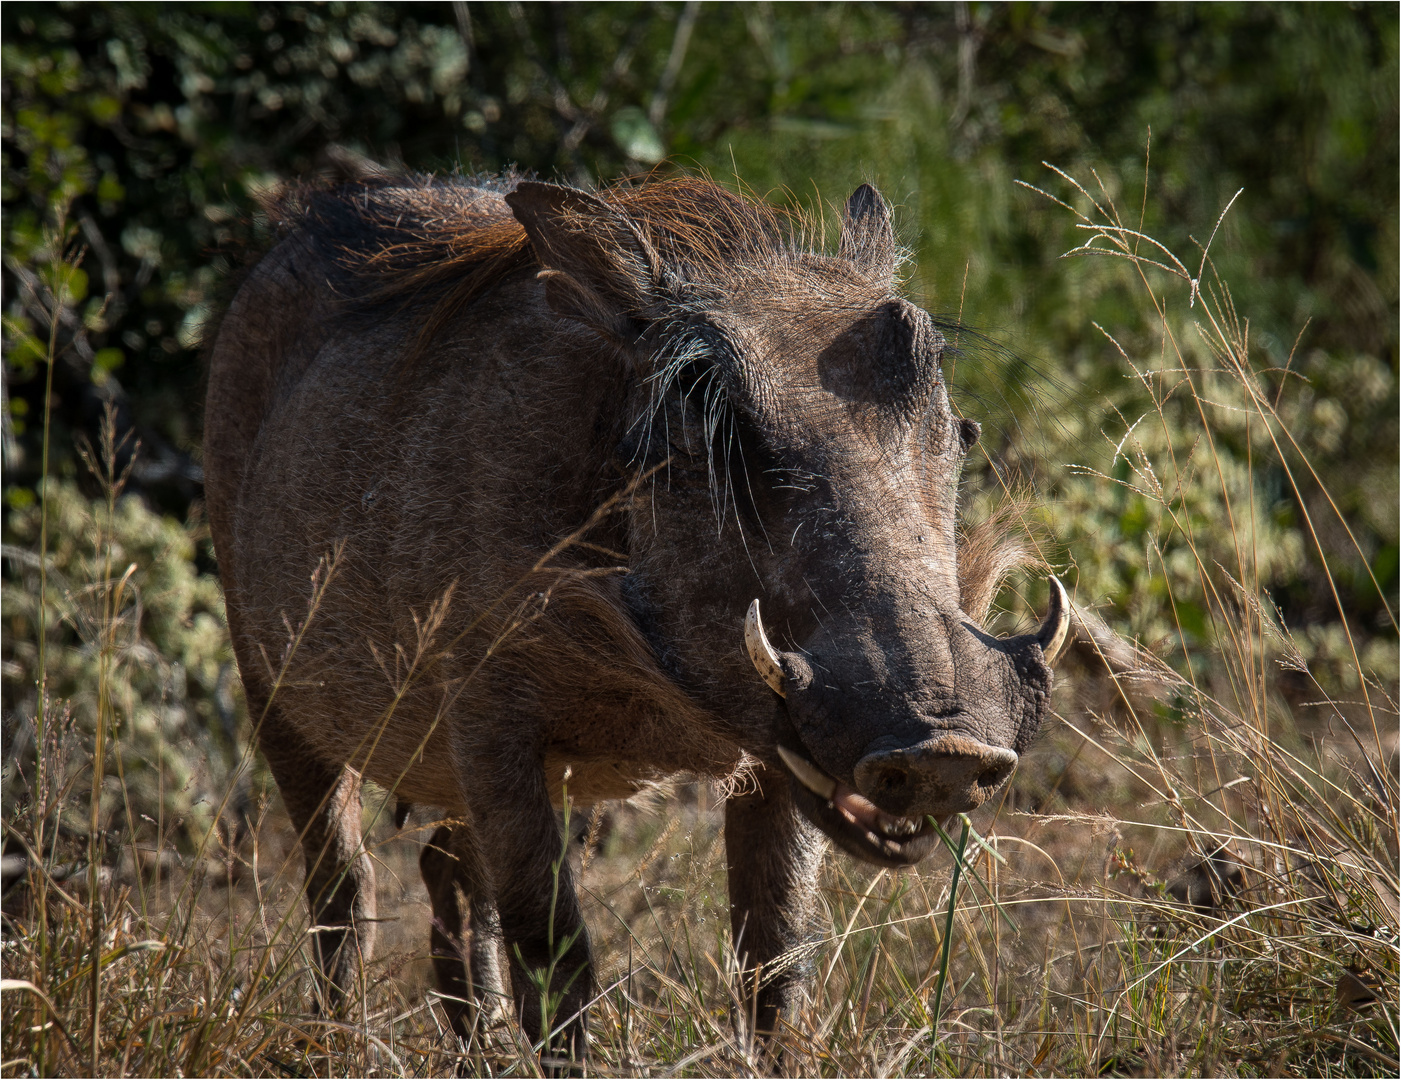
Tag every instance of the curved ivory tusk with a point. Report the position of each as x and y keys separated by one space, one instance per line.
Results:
x=1051 y=637
x=756 y=642
x=808 y=774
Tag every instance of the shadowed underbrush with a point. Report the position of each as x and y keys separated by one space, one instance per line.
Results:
x=1194 y=872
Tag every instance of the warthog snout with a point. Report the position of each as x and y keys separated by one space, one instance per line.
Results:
x=881 y=748
x=951 y=774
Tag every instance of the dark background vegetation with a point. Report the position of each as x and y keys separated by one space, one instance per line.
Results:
x=151 y=130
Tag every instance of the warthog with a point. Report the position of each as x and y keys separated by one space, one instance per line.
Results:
x=500 y=476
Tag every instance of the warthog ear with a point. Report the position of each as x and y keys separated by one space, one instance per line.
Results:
x=599 y=268
x=867 y=235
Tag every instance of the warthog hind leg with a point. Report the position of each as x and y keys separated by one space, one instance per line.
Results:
x=323 y=802
x=466 y=931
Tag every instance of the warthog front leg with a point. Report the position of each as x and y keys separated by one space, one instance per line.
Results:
x=323 y=802
x=772 y=855
x=519 y=839
x=464 y=942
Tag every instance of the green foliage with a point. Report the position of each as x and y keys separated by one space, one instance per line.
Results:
x=162 y=127
x=155 y=131
x=1251 y=97
x=171 y=682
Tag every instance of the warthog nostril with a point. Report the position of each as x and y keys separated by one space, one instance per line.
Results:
x=892 y=778
x=990 y=778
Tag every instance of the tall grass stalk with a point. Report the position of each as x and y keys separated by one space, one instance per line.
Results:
x=112 y=484
x=937 y=1010
x=62 y=264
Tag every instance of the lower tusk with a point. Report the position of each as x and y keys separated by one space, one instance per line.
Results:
x=756 y=642
x=808 y=774
x=1051 y=637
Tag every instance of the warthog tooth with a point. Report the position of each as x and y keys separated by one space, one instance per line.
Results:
x=1056 y=627
x=808 y=774
x=898 y=826
x=761 y=652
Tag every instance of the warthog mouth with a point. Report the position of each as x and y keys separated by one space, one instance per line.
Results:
x=854 y=823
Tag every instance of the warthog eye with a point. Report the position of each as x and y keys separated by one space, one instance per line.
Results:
x=700 y=391
x=693 y=412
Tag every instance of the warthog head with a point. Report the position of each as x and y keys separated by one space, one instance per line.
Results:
x=812 y=458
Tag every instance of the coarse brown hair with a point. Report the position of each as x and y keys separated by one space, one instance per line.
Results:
x=443 y=242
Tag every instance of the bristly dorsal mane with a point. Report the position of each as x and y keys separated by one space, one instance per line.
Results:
x=447 y=240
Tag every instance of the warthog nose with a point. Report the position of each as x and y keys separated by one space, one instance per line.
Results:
x=947 y=775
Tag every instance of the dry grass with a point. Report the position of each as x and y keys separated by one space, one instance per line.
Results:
x=1194 y=882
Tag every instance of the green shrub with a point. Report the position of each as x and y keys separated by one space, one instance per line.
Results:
x=165 y=649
